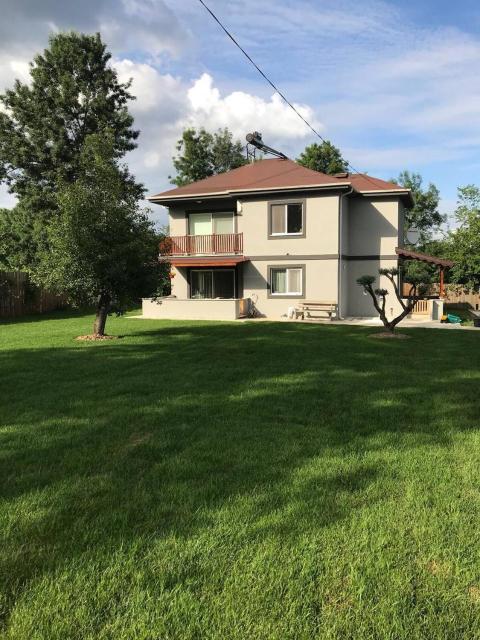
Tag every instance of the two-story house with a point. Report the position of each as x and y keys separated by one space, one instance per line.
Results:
x=275 y=233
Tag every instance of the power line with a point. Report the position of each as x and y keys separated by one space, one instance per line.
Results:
x=277 y=90
x=260 y=71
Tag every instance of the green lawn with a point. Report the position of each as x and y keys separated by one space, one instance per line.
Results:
x=238 y=481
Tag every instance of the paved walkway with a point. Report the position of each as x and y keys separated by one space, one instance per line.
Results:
x=407 y=323
x=360 y=322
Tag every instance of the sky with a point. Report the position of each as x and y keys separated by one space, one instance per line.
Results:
x=394 y=84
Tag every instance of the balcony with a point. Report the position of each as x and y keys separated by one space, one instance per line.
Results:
x=209 y=245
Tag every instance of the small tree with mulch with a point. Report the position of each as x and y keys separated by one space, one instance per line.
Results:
x=379 y=296
x=101 y=247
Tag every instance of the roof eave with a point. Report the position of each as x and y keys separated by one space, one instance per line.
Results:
x=405 y=194
x=233 y=193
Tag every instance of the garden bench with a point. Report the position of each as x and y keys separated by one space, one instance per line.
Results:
x=307 y=308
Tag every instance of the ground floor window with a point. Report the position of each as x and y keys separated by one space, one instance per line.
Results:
x=286 y=281
x=212 y=283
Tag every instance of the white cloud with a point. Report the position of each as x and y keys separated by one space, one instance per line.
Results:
x=243 y=112
x=148 y=25
x=154 y=92
x=391 y=93
x=7 y=201
x=166 y=105
x=12 y=68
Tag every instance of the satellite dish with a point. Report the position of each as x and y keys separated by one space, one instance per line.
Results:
x=412 y=236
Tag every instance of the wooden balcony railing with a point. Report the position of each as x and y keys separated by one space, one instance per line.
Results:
x=222 y=243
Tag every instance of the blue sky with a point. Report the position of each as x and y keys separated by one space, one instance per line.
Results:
x=394 y=84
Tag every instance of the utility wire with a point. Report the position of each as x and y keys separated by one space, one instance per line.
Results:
x=277 y=90
x=272 y=84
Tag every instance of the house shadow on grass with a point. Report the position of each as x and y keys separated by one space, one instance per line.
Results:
x=150 y=437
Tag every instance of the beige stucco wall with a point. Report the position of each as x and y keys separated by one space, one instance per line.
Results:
x=320 y=284
x=179 y=284
x=370 y=228
x=373 y=231
x=373 y=226
x=178 y=309
x=321 y=228
x=344 y=234
x=177 y=222
x=321 y=225
x=359 y=305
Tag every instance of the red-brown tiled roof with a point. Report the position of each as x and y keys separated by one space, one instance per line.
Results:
x=264 y=174
x=274 y=174
x=363 y=183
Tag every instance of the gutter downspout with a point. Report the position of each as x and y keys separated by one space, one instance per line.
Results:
x=340 y=250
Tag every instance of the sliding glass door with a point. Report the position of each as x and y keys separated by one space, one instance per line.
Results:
x=200 y=224
x=201 y=284
x=212 y=283
x=205 y=224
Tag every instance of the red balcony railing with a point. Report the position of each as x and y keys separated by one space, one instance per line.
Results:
x=222 y=243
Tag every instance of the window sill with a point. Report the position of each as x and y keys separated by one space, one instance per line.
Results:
x=273 y=236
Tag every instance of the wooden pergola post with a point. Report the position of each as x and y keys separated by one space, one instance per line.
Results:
x=442 y=286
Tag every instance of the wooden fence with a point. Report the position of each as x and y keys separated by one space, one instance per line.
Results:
x=422 y=308
x=18 y=297
x=454 y=295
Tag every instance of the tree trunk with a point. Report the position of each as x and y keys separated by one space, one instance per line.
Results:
x=103 y=308
x=390 y=326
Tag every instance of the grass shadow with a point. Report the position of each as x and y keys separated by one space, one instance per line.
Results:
x=158 y=434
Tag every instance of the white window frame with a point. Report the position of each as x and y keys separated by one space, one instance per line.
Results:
x=287 y=281
x=285 y=218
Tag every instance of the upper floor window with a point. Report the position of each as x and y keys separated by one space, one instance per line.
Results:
x=287 y=218
x=205 y=224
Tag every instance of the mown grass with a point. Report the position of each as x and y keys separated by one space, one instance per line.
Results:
x=238 y=481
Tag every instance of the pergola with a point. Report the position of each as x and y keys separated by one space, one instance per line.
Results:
x=442 y=263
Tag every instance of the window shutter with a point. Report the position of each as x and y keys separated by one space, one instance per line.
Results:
x=277 y=213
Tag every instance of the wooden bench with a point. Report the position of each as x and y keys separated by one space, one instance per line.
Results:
x=308 y=307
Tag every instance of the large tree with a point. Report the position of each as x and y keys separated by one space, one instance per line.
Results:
x=324 y=157
x=101 y=247
x=73 y=93
x=465 y=240
x=17 y=229
x=424 y=216
x=202 y=154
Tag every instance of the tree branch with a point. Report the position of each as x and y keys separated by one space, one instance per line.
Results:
x=395 y=288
